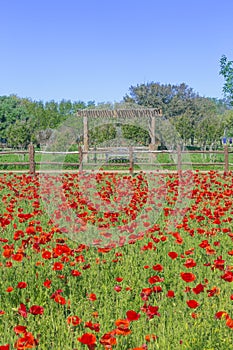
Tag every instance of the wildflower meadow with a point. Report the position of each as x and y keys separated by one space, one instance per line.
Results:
x=112 y=261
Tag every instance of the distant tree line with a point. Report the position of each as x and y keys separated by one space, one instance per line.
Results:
x=198 y=120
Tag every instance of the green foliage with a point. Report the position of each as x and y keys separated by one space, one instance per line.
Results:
x=18 y=134
x=184 y=127
x=184 y=108
x=12 y=108
x=102 y=133
x=35 y=120
x=172 y=99
x=138 y=135
x=209 y=130
x=226 y=70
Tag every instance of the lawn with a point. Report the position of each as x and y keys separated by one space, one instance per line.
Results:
x=106 y=261
x=143 y=161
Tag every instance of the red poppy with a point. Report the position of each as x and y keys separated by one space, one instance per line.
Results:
x=204 y=244
x=74 y=320
x=46 y=255
x=122 y=323
x=59 y=299
x=210 y=251
x=221 y=314
x=119 y=279
x=150 y=337
x=213 y=291
x=57 y=266
x=108 y=340
x=187 y=276
x=170 y=294
x=229 y=323
x=122 y=327
x=172 y=255
x=132 y=315
x=92 y=297
x=193 y=304
x=198 y=289
x=145 y=293
x=18 y=256
x=151 y=311
x=21 y=285
x=157 y=267
x=22 y=310
x=26 y=342
x=93 y=326
x=36 y=310
x=227 y=276
x=118 y=289
x=88 y=339
x=30 y=230
x=20 y=329
x=75 y=273
x=5 y=347
x=190 y=263
x=155 y=279
x=47 y=283
x=8 y=251
x=157 y=289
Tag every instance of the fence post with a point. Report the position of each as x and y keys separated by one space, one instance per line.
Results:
x=95 y=155
x=31 y=154
x=80 y=158
x=179 y=160
x=226 y=159
x=85 y=138
x=152 y=147
x=131 y=160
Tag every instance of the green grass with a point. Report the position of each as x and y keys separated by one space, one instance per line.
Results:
x=115 y=164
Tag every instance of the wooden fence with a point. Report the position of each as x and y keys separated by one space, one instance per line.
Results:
x=130 y=153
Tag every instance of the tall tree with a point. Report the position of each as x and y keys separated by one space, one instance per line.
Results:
x=172 y=99
x=19 y=134
x=226 y=70
x=11 y=109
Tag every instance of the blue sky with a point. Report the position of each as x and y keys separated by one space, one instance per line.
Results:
x=96 y=49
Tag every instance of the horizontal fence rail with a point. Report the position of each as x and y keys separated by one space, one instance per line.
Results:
x=111 y=156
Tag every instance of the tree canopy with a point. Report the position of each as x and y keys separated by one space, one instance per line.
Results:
x=226 y=70
x=23 y=120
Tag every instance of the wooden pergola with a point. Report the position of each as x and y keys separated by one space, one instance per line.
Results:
x=142 y=117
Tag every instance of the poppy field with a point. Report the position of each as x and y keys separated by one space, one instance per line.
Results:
x=109 y=261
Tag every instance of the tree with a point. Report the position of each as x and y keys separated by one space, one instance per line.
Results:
x=11 y=109
x=209 y=132
x=18 y=134
x=226 y=70
x=172 y=99
x=184 y=127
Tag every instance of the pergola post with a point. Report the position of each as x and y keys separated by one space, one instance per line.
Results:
x=153 y=138
x=154 y=142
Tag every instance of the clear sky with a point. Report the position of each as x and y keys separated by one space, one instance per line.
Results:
x=96 y=49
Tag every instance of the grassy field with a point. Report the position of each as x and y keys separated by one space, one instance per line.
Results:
x=144 y=162
x=110 y=262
